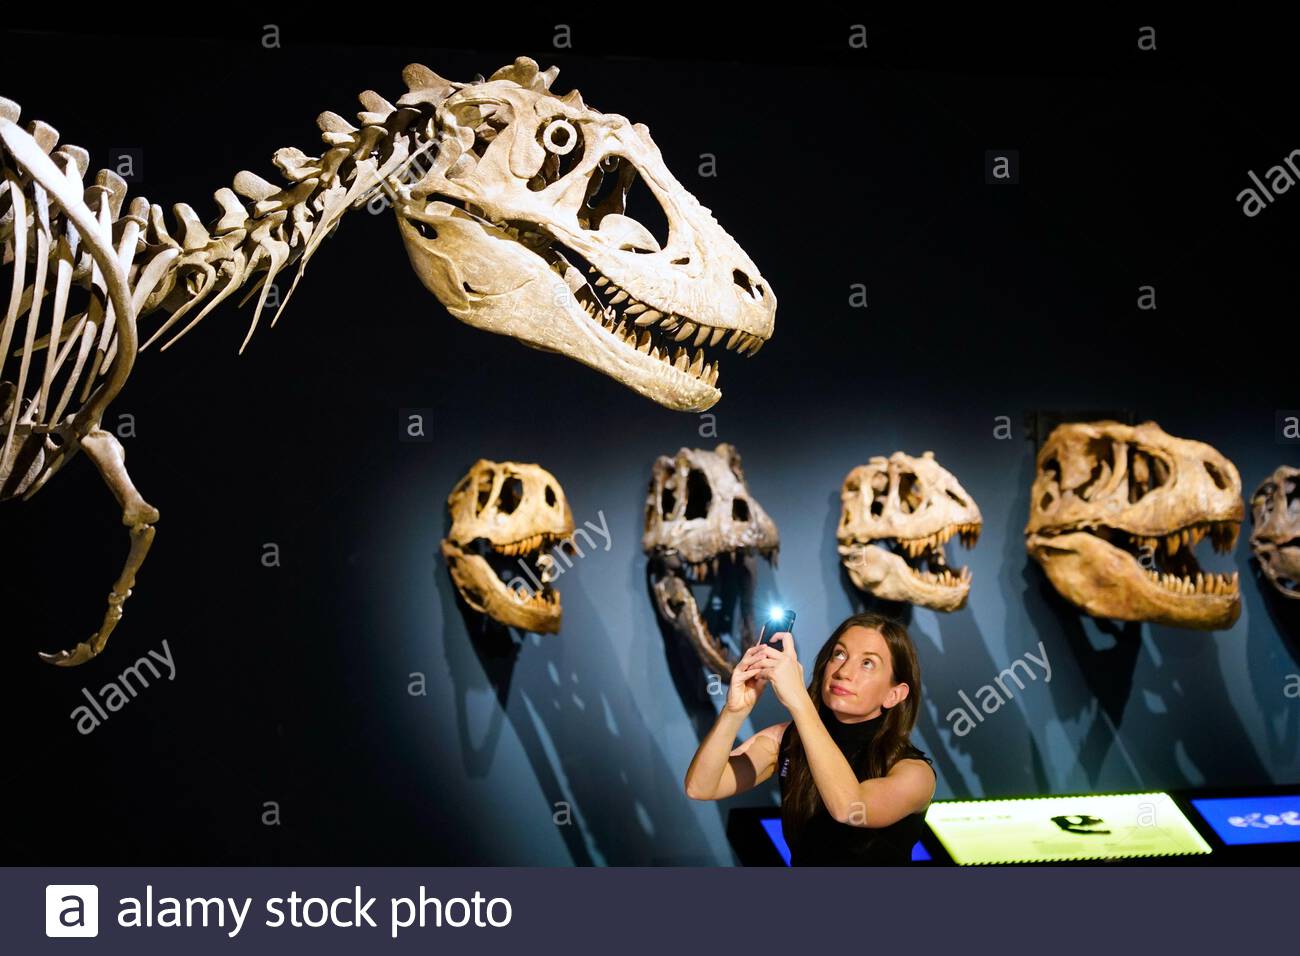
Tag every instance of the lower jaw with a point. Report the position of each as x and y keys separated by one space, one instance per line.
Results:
x=904 y=587
x=501 y=602
x=1107 y=582
x=674 y=586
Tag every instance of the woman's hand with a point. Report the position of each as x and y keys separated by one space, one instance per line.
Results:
x=747 y=683
x=783 y=671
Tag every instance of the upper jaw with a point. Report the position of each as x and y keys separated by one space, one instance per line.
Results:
x=718 y=288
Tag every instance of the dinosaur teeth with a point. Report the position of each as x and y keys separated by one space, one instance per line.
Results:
x=639 y=326
x=1205 y=584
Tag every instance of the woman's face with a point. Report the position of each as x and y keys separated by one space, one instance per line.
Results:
x=859 y=677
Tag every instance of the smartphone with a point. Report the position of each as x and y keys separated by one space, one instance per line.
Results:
x=781 y=619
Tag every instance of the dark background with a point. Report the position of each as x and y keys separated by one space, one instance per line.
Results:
x=834 y=168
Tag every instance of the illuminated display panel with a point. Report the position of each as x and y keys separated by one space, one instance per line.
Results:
x=1249 y=820
x=1050 y=829
x=772 y=827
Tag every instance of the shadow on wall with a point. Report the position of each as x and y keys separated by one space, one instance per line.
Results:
x=953 y=658
x=726 y=604
x=569 y=711
x=1266 y=659
x=1179 y=679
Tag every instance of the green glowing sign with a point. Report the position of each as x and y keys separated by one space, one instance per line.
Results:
x=1108 y=826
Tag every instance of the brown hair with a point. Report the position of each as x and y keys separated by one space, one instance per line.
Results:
x=892 y=742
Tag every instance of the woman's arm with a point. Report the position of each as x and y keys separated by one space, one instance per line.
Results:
x=906 y=789
x=717 y=771
x=835 y=779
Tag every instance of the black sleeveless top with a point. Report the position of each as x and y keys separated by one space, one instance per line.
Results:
x=824 y=841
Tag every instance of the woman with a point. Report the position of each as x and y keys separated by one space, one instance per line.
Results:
x=853 y=788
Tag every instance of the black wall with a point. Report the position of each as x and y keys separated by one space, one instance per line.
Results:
x=984 y=301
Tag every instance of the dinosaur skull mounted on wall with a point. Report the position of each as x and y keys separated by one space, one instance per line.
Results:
x=702 y=526
x=521 y=227
x=505 y=515
x=898 y=512
x=1115 y=514
x=1275 y=537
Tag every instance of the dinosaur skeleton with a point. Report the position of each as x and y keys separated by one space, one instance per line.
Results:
x=504 y=192
x=1115 y=515
x=898 y=514
x=1275 y=536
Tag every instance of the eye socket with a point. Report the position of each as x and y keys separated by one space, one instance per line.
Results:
x=562 y=142
x=1262 y=502
x=699 y=495
x=559 y=137
x=512 y=494
x=1146 y=473
x=667 y=501
x=486 y=479
x=909 y=492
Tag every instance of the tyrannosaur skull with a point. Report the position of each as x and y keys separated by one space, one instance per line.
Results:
x=1275 y=536
x=703 y=527
x=522 y=226
x=898 y=513
x=505 y=516
x=1115 y=514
